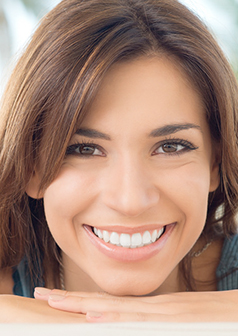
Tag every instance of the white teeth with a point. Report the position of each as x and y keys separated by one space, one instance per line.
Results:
x=106 y=236
x=129 y=241
x=160 y=233
x=100 y=234
x=125 y=240
x=136 y=240
x=146 y=238
x=114 y=239
x=154 y=236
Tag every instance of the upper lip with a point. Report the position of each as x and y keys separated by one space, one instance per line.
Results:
x=131 y=230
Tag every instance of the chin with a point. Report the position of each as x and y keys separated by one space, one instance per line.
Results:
x=128 y=289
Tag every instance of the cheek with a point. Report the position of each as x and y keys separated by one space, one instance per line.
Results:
x=186 y=198
x=69 y=194
x=188 y=188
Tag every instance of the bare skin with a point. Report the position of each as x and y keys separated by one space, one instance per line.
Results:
x=205 y=305
x=24 y=310
x=176 y=307
x=154 y=187
x=55 y=306
x=19 y=309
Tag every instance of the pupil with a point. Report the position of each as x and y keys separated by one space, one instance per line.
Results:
x=169 y=148
x=86 y=150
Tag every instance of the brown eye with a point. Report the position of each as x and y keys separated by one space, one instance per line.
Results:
x=86 y=150
x=175 y=146
x=170 y=148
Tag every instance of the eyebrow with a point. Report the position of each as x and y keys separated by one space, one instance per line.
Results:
x=158 y=132
x=172 y=128
x=92 y=133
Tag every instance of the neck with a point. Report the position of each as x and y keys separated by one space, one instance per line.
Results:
x=204 y=267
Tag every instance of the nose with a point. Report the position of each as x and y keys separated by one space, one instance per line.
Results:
x=129 y=189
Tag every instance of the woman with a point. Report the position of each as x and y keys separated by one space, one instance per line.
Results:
x=119 y=168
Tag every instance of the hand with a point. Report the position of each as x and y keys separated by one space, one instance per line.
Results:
x=177 y=307
x=17 y=309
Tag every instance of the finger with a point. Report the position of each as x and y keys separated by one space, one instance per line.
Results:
x=105 y=317
x=79 y=304
x=41 y=293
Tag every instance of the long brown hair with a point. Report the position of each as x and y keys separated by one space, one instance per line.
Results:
x=57 y=78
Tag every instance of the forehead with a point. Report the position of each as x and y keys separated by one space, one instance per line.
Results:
x=144 y=92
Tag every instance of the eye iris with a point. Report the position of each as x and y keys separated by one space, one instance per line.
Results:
x=86 y=150
x=169 y=148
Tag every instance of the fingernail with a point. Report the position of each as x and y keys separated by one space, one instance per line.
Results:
x=42 y=291
x=56 y=297
x=93 y=314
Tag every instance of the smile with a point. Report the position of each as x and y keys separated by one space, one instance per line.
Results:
x=129 y=241
x=129 y=247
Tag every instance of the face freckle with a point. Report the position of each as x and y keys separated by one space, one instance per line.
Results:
x=141 y=160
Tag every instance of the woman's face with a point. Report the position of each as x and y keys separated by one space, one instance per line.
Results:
x=138 y=173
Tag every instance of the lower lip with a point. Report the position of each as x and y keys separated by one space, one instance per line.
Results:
x=129 y=254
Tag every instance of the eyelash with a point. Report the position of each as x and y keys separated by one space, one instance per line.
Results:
x=71 y=150
x=188 y=146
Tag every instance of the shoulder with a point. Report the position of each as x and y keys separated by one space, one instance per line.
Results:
x=227 y=270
